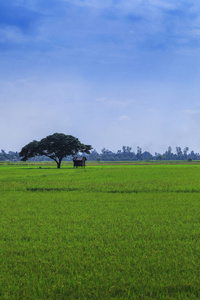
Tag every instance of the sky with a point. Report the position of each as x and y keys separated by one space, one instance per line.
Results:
x=111 y=73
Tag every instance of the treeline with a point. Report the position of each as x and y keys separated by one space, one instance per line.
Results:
x=10 y=156
x=126 y=154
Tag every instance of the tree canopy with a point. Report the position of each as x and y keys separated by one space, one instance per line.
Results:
x=55 y=146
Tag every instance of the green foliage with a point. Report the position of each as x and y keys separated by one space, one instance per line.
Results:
x=104 y=232
x=55 y=146
x=10 y=156
x=106 y=155
x=159 y=157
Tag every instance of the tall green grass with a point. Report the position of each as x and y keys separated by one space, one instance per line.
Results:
x=103 y=232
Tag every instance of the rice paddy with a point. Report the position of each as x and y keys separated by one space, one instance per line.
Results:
x=109 y=231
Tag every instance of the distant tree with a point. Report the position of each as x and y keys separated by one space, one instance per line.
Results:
x=185 y=151
x=55 y=146
x=147 y=155
x=94 y=155
x=98 y=159
x=107 y=155
x=169 y=152
x=179 y=152
x=192 y=155
x=124 y=149
x=139 y=153
x=159 y=157
x=125 y=154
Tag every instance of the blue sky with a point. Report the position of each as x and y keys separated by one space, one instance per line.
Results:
x=112 y=73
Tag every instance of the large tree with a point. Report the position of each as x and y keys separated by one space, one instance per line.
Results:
x=55 y=146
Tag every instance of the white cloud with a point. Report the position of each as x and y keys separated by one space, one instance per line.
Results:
x=127 y=6
x=91 y=3
x=112 y=102
x=124 y=117
x=164 y=4
x=191 y=111
x=11 y=34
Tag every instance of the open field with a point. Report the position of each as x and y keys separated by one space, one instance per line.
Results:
x=109 y=231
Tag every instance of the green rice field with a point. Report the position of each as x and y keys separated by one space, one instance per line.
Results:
x=107 y=231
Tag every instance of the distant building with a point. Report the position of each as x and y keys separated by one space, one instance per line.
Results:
x=79 y=161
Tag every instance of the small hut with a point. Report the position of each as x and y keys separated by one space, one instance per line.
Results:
x=79 y=161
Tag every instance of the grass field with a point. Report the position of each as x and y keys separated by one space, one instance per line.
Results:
x=109 y=231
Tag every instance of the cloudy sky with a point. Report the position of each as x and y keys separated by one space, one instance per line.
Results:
x=112 y=73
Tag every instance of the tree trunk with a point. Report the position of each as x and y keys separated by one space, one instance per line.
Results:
x=58 y=164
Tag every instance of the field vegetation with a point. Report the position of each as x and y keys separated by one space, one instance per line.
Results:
x=107 y=231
